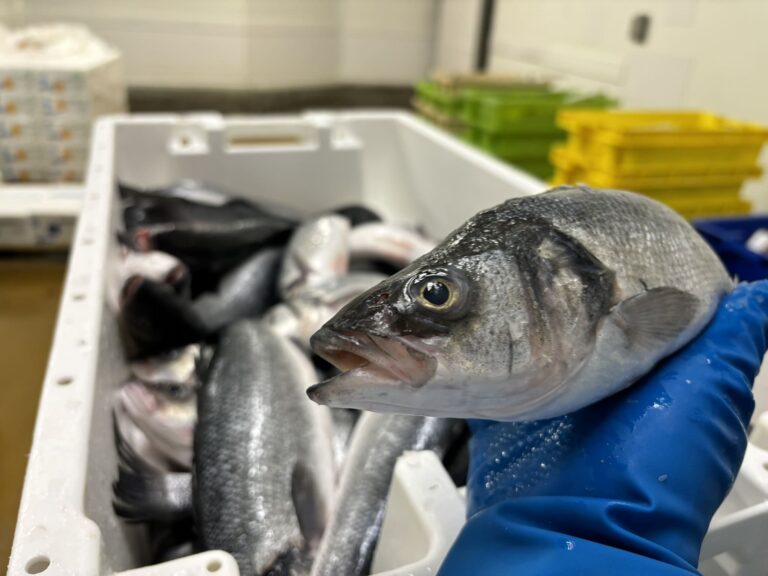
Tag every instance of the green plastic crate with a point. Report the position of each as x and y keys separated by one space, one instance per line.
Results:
x=542 y=169
x=523 y=112
x=514 y=146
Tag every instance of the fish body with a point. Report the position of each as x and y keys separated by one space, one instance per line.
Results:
x=317 y=253
x=263 y=455
x=210 y=230
x=380 y=241
x=244 y=292
x=377 y=442
x=312 y=306
x=531 y=309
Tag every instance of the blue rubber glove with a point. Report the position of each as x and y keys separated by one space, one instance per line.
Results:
x=628 y=485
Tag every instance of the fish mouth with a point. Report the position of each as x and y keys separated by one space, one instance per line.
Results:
x=368 y=360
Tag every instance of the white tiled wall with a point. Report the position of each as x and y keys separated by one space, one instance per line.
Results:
x=385 y=41
x=256 y=43
x=458 y=28
x=699 y=53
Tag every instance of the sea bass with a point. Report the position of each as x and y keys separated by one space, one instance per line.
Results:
x=310 y=308
x=244 y=292
x=531 y=309
x=263 y=465
x=317 y=253
x=377 y=442
x=165 y=416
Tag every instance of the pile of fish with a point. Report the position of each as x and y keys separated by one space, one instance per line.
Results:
x=219 y=445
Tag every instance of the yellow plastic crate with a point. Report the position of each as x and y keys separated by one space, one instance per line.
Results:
x=703 y=208
x=689 y=203
x=577 y=169
x=636 y=142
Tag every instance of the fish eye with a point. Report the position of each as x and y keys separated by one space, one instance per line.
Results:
x=437 y=293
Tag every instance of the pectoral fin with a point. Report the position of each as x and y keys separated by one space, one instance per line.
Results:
x=655 y=318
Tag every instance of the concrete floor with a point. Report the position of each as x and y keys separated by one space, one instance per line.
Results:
x=30 y=288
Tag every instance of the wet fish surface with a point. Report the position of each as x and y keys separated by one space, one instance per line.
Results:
x=380 y=241
x=317 y=253
x=377 y=442
x=155 y=319
x=531 y=309
x=244 y=292
x=210 y=230
x=164 y=414
x=263 y=455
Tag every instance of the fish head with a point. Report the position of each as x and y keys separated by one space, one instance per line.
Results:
x=488 y=324
x=166 y=406
x=427 y=338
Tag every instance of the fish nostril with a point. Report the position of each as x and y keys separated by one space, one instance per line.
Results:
x=378 y=299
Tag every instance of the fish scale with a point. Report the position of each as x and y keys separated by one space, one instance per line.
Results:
x=377 y=442
x=257 y=438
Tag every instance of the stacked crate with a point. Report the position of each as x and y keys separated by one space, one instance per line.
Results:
x=54 y=81
x=510 y=118
x=519 y=126
x=695 y=162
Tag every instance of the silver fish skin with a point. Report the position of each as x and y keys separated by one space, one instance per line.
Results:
x=263 y=456
x=377 y=442
x=158 y=421
x=381 y=241
x=311 y=307
x=317 y=253
x=245 y=292
x=532 y=309
x=344 y=423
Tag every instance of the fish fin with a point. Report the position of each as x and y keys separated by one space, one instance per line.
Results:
x=142 y=496
x=655 y=317
x=309 y=504
x=560 y=251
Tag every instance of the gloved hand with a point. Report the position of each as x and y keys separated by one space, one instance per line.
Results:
x=628 y=485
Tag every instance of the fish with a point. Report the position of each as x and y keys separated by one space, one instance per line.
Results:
x=143 y=492
x=317 y=254
x=244 y=292
x=157 y=266
x=344 y=422
x=165 y=415
x=210 y=230
x=181 y=367
x=309 y=308
x=532 y=309
x=264 y=475
x=154 y=319
x=377 y=442
x=380 y=241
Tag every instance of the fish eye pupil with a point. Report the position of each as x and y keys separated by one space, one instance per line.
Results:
x=436 y=293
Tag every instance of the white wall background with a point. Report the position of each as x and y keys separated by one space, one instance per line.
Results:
x=242 y=44
x=458 y=29
x=699 y=53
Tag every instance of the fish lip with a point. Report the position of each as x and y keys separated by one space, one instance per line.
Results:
x=374 y=356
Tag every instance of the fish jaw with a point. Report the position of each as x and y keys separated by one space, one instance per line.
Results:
x=373 y=366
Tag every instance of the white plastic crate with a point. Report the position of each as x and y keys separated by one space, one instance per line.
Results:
x=394 y=162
